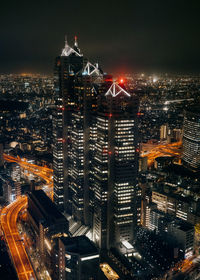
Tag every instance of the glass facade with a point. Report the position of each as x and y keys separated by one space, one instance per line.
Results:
x=191 y=140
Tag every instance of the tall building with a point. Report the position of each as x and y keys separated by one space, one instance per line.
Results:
x=115 y=164
x=163 y=132
x=95 y=149
x=76 y=80
x=191 y=139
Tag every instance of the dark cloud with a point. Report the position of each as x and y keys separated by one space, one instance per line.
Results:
x=129 y=34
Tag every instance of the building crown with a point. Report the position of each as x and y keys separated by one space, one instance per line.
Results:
x=115 y=90
x=67 y=50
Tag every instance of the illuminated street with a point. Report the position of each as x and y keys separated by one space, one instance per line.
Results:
x=172 y=149
x=100 y=141
x=109 y=272
x=41 y=171
x=9 y=217
x=20 y=258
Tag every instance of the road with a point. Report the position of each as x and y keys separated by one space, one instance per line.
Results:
x=172 y=149
x=109 y=272
x=20 y=258
x=10 y=214
x=41 y=171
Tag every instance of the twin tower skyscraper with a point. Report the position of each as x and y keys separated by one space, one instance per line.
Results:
x=95 y=148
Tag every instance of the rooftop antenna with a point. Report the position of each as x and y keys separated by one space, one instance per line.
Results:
x=75 y=41
x=66 y=40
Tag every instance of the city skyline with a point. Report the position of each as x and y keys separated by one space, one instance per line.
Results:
x=124 y=37
x=99 y=140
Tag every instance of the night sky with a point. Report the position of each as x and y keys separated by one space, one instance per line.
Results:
x=129 y=35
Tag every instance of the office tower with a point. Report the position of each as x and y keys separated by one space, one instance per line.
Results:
x=115 y=165
x=75 y=99
x=191 y=139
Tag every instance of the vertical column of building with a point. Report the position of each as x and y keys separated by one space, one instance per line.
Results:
x=67 y=66
x=58 y=152
x=77 y=161
x=125 y=179
x=100 y=181
x=80 y=148
x=191 y=139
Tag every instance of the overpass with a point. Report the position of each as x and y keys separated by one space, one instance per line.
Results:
x=171 y=150
x=9 y=216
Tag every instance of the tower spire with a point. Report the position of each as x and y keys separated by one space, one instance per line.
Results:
x=66 y=43
x=75 y=41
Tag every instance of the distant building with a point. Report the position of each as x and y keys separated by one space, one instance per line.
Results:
x=78 y=259
x=163 y=132
x=181 y=231
x=155 y=216
x=191 y=139
x=162 y=162
x=177 y=134
x=184 y=234
x=143 y=164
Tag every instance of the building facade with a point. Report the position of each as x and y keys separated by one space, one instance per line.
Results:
x=95 y=153
x=115 y=165
x=75 y=99
x=191 y=139
x=78 y=259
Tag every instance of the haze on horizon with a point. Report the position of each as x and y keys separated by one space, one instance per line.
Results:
x=122 y=36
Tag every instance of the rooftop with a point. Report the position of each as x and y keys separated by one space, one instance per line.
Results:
x=46 y=206
x=79 y=245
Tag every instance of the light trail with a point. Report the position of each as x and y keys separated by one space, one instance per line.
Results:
x=20 y=258
x=41 y=171
x=9 y=216
x=172 y=149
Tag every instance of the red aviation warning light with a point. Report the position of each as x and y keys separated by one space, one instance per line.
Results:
x=61 y=140
x=121 y=80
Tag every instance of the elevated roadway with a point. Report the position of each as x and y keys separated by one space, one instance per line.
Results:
x=41 y=171
x=20 y=258
x=171 y=150
x=9 y=216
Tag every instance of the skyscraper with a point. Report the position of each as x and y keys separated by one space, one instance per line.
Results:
x=115 y=165
x=75 y=100
x=191 y=139
x=95 y=149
